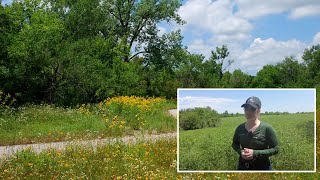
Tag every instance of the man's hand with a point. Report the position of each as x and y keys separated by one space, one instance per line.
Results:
x=247 y=154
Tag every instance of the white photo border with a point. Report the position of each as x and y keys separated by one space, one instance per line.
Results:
x=247 y=89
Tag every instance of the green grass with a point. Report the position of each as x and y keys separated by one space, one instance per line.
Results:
x=46 y=123
x=210 y=148
x=144 y=160
x=141 y=161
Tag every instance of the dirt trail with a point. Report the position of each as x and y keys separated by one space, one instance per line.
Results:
x=6 y=151
x=173 y=112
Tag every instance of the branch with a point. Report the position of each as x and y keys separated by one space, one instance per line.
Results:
x=229 y=64
x=120 y=18
x=114 y=14
x=136 y=32
x=137 y=54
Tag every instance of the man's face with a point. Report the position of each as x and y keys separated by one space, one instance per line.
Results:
x=250 y=112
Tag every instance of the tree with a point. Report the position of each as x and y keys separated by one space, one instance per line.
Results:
x=239 y=79
x=165 y=52
x=5 y=31
x=219 y=56
x=225 y=80
x=311 y=58
x=293 y=74
x=131 y=23
x=34 y=55
x=225 y=114
x=208 y=76
x=268 y=77
x=135 y=21
x=84 y=71
x=189 y=70
x=11 y=20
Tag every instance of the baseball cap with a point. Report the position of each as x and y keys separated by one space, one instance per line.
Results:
x=253 y=102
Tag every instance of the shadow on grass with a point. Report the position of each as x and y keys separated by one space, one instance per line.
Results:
x=307 y=130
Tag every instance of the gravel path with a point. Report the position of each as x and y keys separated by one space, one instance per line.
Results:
x=6 y=151
x=173 y=112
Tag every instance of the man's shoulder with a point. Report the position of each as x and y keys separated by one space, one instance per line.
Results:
x=265 y=125
x=241 y=126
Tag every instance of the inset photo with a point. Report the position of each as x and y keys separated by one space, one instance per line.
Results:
x=246 y=130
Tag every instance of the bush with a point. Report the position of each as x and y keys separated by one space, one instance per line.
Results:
x=6 y=102
x=198 y=118
x=188 y=121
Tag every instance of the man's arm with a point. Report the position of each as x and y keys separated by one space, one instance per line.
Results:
x=273 y=144
x=236 y=142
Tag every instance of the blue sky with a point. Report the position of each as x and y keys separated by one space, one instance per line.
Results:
x=256 y=32
x=284 y=100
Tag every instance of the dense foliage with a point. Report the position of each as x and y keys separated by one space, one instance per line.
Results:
x=198 y=118
x=69 y=52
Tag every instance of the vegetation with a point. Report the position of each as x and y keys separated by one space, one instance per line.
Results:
x=79 y=69
x=117 y=116
x=51 y=53
x=145 y=160
x=198 y=118
x=227 y=114
x=210 y=148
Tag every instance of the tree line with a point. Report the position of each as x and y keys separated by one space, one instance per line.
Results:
x=227 y=114
x=68 y=52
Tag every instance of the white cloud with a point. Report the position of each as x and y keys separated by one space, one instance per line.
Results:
x=316 y=39
x=219 y=104
x=269 y=51
x=231 y=38
x=216 y=18
x=296 y=8
x=303 y=11
x=214 y=23
x=199 y=46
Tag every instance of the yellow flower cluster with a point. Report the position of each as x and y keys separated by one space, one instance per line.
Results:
x=83 y=109
x=116 y=122
x=140 y=102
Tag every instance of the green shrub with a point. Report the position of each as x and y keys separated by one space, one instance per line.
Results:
x=198 y=118
x=6 y=101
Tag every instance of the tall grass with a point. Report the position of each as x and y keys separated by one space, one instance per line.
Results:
x=47 y=123
x=210 y=148
x=144 y=160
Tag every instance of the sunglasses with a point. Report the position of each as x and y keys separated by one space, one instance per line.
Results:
x=250 y=108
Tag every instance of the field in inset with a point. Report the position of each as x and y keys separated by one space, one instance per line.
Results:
x=210 y=148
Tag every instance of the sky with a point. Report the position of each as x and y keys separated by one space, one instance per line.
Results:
x=256 y=32
x=272 y=100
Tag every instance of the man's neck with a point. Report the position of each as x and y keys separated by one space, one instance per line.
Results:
x=252 y=123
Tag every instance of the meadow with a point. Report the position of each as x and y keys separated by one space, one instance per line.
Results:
x=143 y=160
x=210 y=148
x=118 y=116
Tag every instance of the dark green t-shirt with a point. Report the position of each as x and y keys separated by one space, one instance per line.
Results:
x=263 y=140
